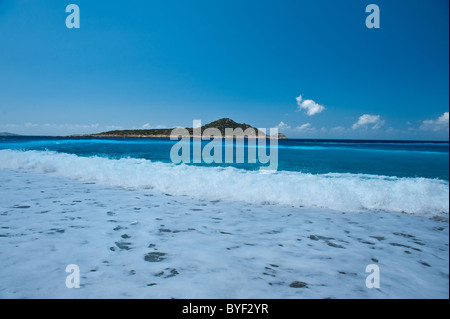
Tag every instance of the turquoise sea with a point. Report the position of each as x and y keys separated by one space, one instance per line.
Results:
x=388 y=158
x=355 y=175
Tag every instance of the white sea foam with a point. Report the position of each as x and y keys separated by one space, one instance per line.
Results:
x=209 y=249
x=347 y=192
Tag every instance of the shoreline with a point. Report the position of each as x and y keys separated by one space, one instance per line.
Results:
x=147 y=244
x=337 y=140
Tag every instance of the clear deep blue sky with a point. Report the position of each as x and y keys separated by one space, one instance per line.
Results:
x=136 y=64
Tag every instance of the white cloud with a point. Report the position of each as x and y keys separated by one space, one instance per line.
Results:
x=444 y=118
x=29 y=128
x=436 y=125
x=112 y=128
x=366 y=120
x=283 y=126
x=338 y=129
x=305 y=128
x=147 y=126
x=8 y=126
x=71 y=126
x=309 y=106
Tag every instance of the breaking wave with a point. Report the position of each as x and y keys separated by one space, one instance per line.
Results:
x=339 y=191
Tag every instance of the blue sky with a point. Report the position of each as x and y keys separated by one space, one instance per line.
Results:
x=164 y=63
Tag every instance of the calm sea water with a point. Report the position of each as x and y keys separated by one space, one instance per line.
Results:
x=386 y=158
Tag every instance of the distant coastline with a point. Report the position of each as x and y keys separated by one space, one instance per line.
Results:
x=3 y=134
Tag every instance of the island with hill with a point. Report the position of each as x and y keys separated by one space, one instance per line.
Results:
x=221 y=125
